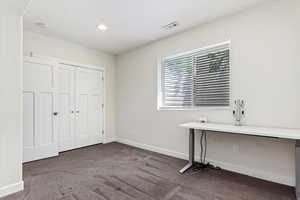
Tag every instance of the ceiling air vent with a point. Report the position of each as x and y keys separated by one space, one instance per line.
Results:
x=41 y=24
x=171 y=25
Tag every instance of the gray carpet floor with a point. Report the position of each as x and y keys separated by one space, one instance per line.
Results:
x=119 y=172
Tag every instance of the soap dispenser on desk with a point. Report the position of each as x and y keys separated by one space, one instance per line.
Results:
x=238 y=111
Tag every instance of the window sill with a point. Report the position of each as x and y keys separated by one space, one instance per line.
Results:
x=192 y=108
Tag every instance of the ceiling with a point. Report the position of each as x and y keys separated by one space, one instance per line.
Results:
x=131 y=23
x=17 y=6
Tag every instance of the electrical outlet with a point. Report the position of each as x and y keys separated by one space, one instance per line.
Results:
x=202 y=120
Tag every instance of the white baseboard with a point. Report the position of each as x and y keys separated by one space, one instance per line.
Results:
x=154 y=149
x=109 y=140
x=11 y=189
x=286 y=180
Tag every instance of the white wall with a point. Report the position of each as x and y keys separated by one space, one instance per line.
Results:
x=52 y=47
x=11 y=100
x=265 y=71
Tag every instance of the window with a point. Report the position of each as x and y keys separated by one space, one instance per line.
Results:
x=200 y=78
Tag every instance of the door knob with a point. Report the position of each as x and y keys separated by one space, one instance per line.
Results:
x=55 y=113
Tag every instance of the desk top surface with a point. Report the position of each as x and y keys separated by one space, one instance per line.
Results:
x=285 y=133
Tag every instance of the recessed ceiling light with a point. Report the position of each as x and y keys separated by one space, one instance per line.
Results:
x=102 y=27
x=41 y=24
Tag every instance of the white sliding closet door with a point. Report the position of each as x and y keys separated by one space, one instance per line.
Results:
x=39 y=136
x=65 y=102
x=89 y=109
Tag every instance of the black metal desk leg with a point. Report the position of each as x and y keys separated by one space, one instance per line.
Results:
x=191 y=151
x=297 y=167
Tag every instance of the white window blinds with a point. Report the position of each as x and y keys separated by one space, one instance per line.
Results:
x=200 y=78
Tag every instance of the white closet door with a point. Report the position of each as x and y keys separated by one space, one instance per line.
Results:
x=65 y=99
x=89 y=110
x=39 y=136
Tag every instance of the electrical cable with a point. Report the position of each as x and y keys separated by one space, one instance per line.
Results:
x=203 y=153
x=205 y=149
x=201 y=148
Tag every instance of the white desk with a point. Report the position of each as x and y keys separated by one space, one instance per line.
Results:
x=285 y=133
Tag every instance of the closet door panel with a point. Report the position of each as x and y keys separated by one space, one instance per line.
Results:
x=46 y=78
x=28 y=117
x=63 y=124
x=39 y=136
x=45 y=119
x=95 y=112
x=65 y=106
x=95 y=106
x=82 y=120
x=89 y=107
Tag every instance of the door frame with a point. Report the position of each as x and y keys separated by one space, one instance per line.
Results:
x=56 y=61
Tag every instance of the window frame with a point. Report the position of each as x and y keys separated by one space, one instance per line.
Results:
x=160 y=105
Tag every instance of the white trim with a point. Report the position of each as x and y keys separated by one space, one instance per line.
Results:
x=198 y=49
x=39 y=60
x=22 y=89
x=33 y=55
x=109 y=140
x=200 y=108
x=66 y=62
x=104 y=108
x=11 y=189
x=153 y=148
x=159 y=85
x=286 y=180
